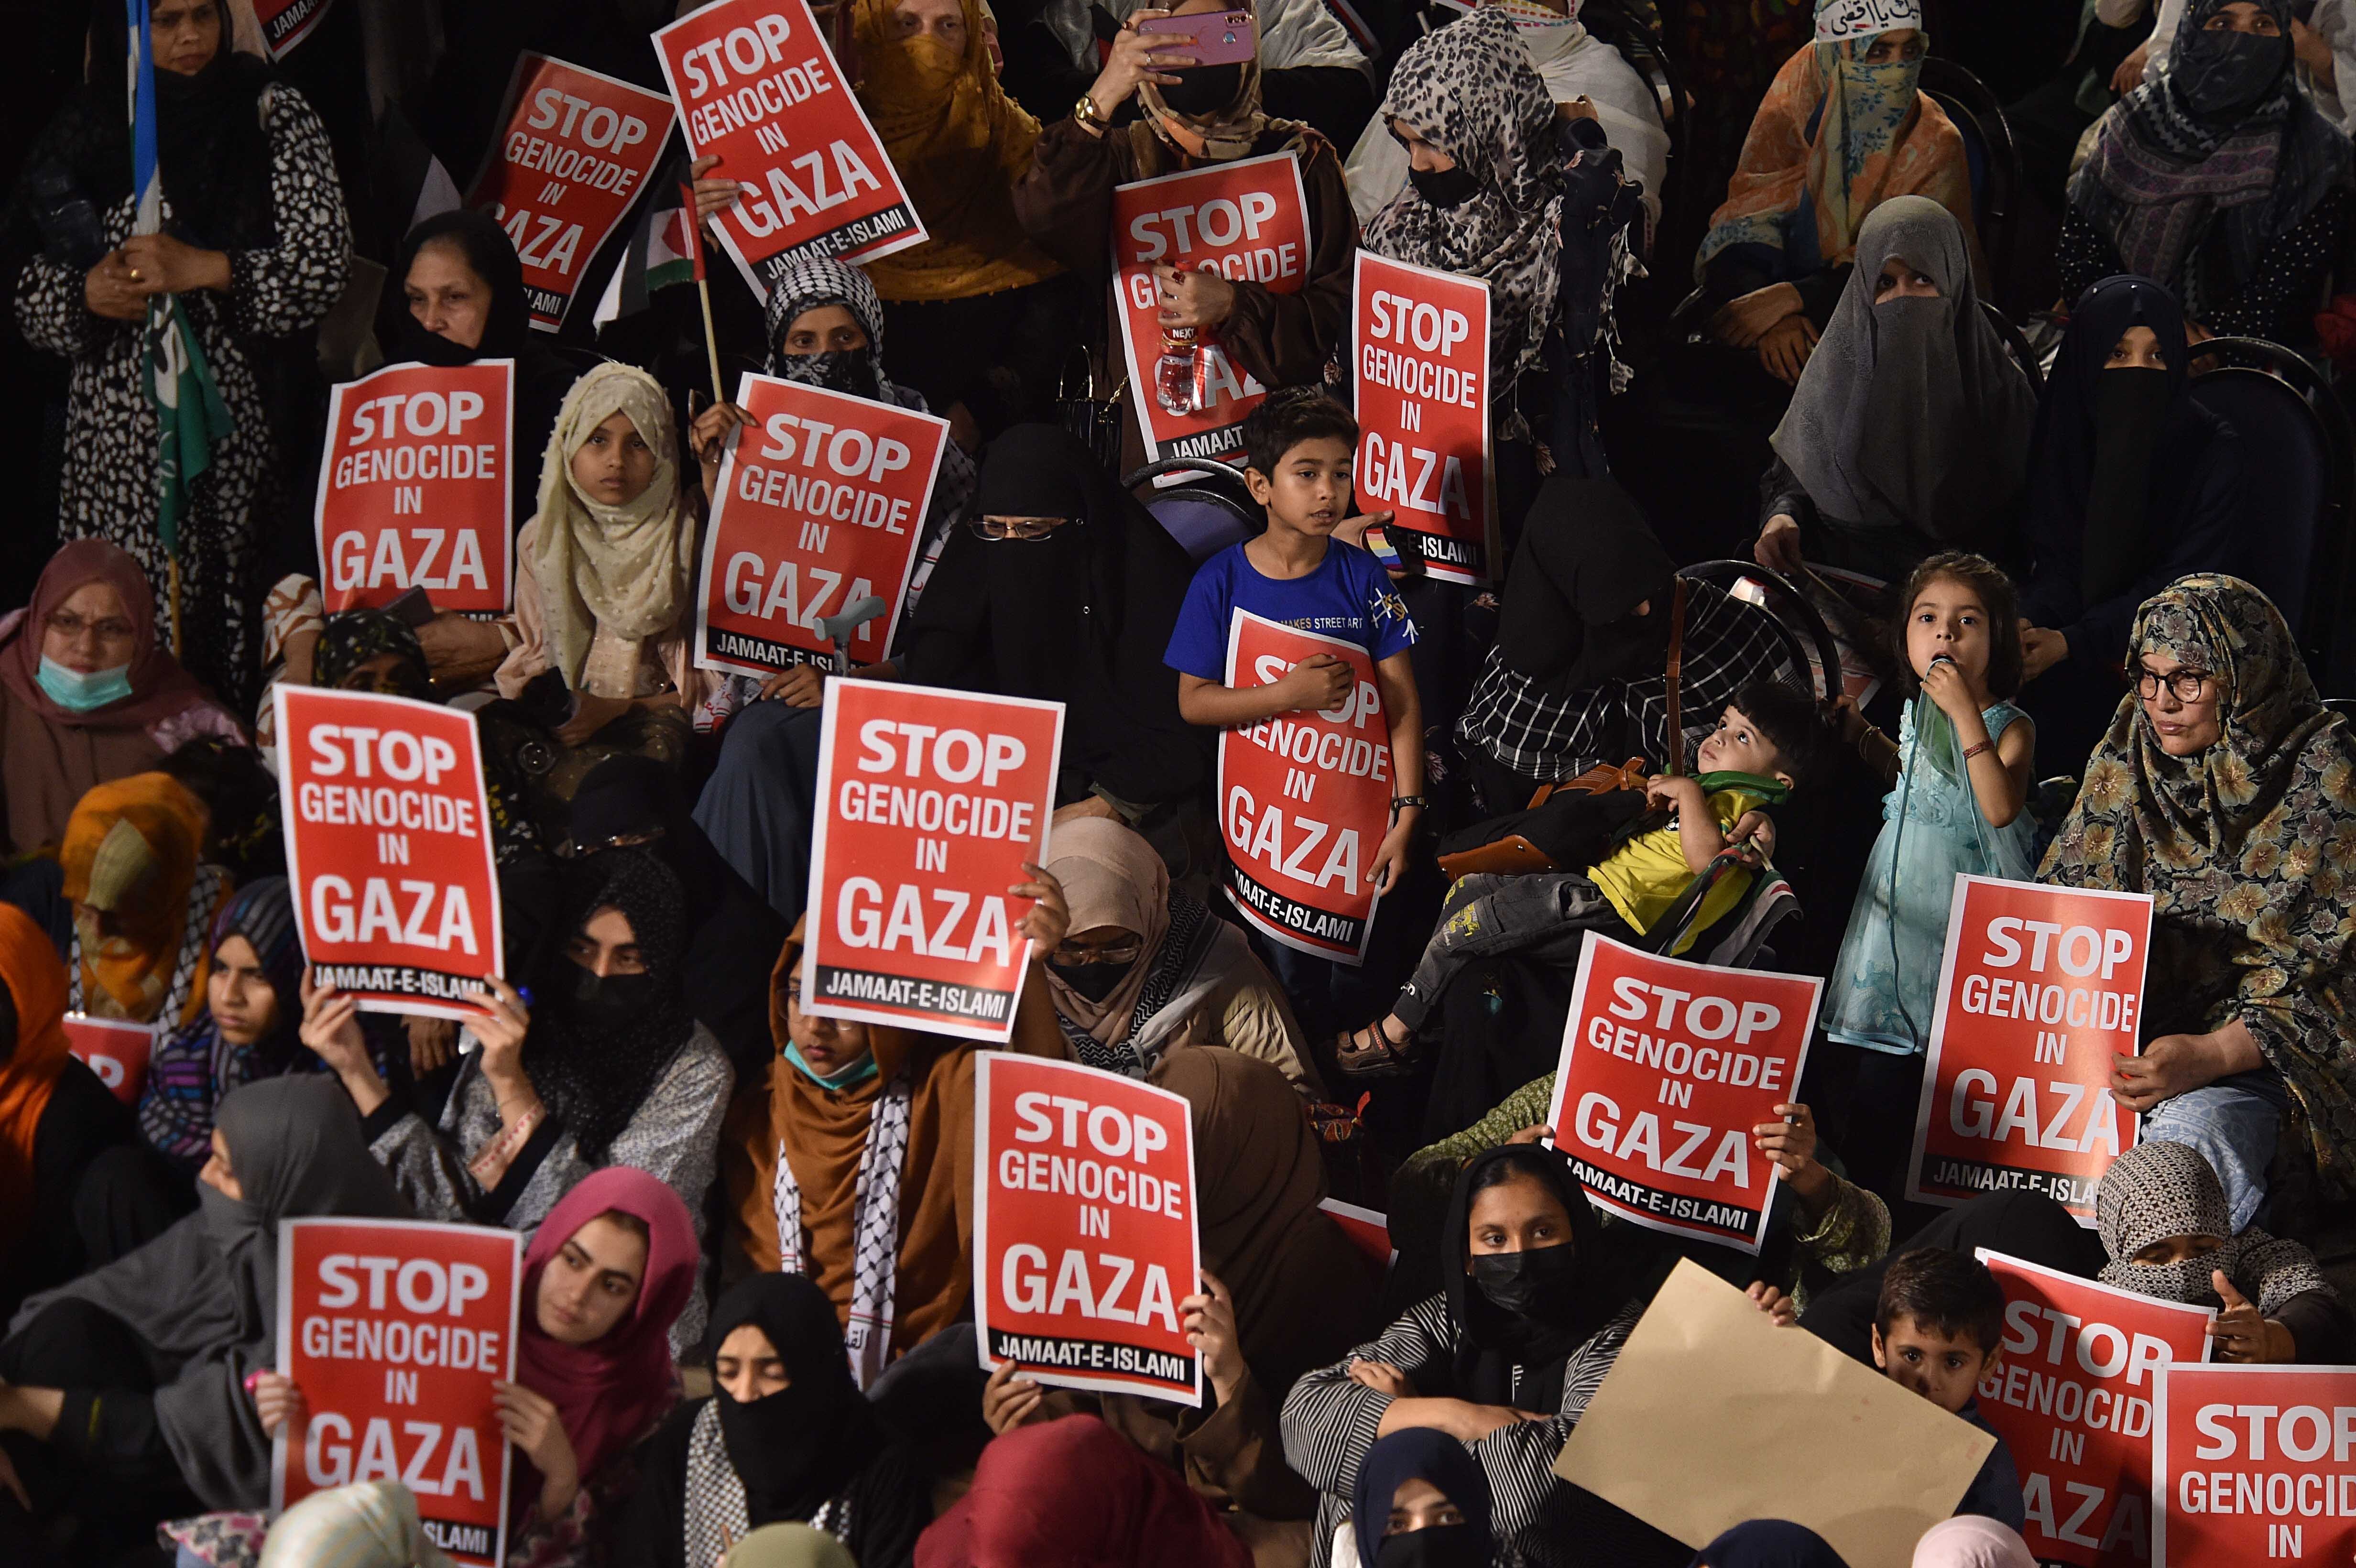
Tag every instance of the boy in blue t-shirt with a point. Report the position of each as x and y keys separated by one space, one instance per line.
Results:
x=1298 y=450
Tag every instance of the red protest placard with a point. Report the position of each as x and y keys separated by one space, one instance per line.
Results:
x=822 y=502
x=389 y=846
x=2254 y=1464
x=929 y=803
x=1084 y=1240
x=2039 y=989
x=1422 y=380
x=1368 y=1231
x=286 y=23
x=394 y=1331
x=413 y=489
x=574 y=148
x=1247 y=220
x=2073 y=1398
x=757 y=84
x=1304 y=798
x=115 y=1050
x=1666 y=1066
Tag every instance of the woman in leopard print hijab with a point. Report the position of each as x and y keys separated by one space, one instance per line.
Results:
x=2248 y=848
x=1469 y=90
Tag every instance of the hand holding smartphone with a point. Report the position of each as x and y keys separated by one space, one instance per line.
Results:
x=1212 y=38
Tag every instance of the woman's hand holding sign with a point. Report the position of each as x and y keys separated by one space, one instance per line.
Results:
x=1791 y=1144
x=1210 y=1323
x=1049 y=919
x=2174 y=1063
x=533 y=1426
x=331 y=1027
x=276 y=1400
x=1010 y=1399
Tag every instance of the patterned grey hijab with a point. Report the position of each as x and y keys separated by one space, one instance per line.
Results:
x=1911 y=413
x=1469 y=89
x=2157 y=1190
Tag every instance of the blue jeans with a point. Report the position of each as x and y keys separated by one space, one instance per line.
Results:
x=2235 y=1122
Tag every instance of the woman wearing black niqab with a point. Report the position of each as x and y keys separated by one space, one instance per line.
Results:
x=612 y=1069
x=1081 y=617
x=2132 y=485
x=811 y=1451
x=733 y=936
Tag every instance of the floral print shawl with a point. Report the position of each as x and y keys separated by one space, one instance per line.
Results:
x=2248 y=851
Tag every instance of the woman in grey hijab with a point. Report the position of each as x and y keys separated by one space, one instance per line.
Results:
x=133 y=1379
x=1909 y=432
x=2164 y=1221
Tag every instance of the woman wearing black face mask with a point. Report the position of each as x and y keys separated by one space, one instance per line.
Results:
x=2132 y=485
x=786 y=1435
x=1539 y=1299
x=600 y=1063
x=826 y=329
x=1421 y=1501
x=1193 y=115
x=1490 y=166
x=2218 y=178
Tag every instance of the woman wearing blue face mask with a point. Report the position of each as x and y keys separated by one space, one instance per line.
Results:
x=887 y=1240
x=87 y=695
x=2216 y=178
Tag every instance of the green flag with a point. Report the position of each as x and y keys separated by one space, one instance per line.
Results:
x=191 y=417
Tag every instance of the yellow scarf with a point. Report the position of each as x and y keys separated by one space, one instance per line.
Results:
x=960 y=144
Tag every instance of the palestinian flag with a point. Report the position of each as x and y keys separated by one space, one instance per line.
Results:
x=663 y=247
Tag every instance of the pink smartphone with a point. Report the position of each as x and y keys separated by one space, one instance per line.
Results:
x=1214 y=37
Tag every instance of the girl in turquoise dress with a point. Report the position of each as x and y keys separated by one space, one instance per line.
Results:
x=1960 y=783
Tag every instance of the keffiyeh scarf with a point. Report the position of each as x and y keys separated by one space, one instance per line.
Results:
x=875 y=1228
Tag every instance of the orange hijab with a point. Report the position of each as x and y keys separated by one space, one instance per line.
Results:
x=36 y=982
x=960 y=144
x=130 y=854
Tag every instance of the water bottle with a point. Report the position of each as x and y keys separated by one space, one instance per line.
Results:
x=1177 y=374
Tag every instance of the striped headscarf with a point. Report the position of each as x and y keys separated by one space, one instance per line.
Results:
x=262 y=912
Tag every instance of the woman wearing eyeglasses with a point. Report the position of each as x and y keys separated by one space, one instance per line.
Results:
x=87 y=693
x=1148 y=970
x=2226 y=791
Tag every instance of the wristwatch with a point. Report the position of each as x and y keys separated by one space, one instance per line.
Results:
x=1087 y=112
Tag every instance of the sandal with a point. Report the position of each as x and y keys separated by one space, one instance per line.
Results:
x=1370 y=1052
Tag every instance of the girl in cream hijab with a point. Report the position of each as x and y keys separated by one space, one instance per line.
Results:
x=604 y=592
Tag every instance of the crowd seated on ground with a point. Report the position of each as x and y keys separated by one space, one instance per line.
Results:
x=1982 y=599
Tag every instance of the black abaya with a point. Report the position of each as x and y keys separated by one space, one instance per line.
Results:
x=1081 y=617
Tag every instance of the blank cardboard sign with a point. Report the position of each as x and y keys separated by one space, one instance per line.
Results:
x=1692 y=1431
